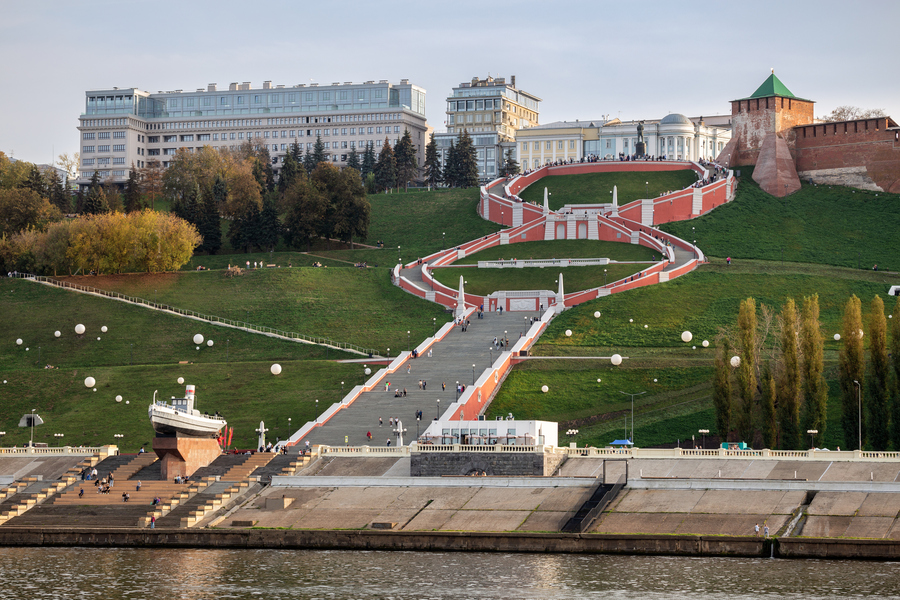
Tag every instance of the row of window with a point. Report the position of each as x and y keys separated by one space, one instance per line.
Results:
x=104 y=148
x=103 y=174
x=362 y=118
x=239 y=135
x=274 y=98
x=465 y=105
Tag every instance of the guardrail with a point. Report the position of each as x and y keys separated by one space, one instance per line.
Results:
x=213 y=319
x=63 y=451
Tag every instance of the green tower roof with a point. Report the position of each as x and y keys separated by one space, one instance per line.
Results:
x=772 y=86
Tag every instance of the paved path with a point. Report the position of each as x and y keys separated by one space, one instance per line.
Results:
x=451 y=361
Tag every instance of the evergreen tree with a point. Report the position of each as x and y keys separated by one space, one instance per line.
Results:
x=35 y=182
x=747 y=368
x=319 y=155
x=210 y=226
x=95 y=201
x=722 y=390
x=266 y=162
x=133 y=201
x=769 y=421
x=385 y=168
x=353 y=161
x=59 y=196
x=405 y=157
x=80 y=201
x=432 y=163
x=789 y=382
x=269 y=227
x=815 y=390
x=877 y=380
x=288 y=173
x=296 y=153
x=309 y=161
x=510 y=165
x=851 y=368
x=467 y=161
x=895 y=363
x=368 y=161
x=219 y=192
x=451 y=166
x=243 y=230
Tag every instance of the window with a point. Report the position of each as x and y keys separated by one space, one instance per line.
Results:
x=370 y=131
x=102 y=161
x=119 y=148
x=153 y=152
x=571 y=144
x=327 y=145
x=353 y=131
x=549 y=145
x=169 y=138
x=87 y=162
x=396 y=129
x=103 y=135
x=187 y=138
x=378 y=130
x=216 y=137
x=203 y=137
x=119 y=160
x=559 y=145
x=102 y=148
x=223 y=101
x=283 y=147
x=87 y=136
x=266 y=133
x=240 y=99
x=169 y=151
x=256 y=99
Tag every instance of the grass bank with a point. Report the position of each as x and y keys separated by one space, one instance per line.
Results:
x=592 y=188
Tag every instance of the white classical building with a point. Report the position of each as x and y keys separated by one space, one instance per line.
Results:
x=121 y=127
x=675 y=136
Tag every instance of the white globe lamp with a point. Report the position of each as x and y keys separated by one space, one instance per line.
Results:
x=735 y=361
x=615 y=359
x=596 y=314
x=79 y=329
x=118 y=398
x=89 y=382
x=706 y=343
x=57 y=333
x=568 y=333
x=276 y=369
x=103 y=329
x=198 y=339
x=209 y=343
x=686 y=336
x=180 y=380
x=19 y=342
x=545 y=389
x=837 y=337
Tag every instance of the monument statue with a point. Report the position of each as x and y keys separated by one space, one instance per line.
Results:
x=640 y=132
x=640 y=149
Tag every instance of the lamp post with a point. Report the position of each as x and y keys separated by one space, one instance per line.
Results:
x=342 y=390
x=457 y=390
x=647 y=187
x=604 y=276
x=473 y=374
x=443 y=240
x=433 y=326
x=407 y=340
x=703 y=433
x=506 y=337
x=398 y=254
x=317 y=411
x=438 y=414
x=491 y=350
x=859 y=408
x=289 y=426
x=31 y=443
x=632 y=411
x=811 y=432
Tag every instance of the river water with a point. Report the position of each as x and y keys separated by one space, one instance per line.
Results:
x=162 y=574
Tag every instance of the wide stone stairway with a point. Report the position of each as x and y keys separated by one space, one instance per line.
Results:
x=454 y=359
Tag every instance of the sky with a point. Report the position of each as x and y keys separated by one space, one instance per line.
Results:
x=632 y=60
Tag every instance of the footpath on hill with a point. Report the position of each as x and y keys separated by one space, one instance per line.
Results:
x=454 y=359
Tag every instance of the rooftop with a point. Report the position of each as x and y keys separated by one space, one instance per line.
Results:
x=772 y=86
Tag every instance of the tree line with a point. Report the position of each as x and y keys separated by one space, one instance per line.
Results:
x=769 y=385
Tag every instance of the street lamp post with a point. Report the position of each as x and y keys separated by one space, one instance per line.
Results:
x=398 y=254
x=443 y=240
x=317 y=411
x=632 y=411
x=491 y=350
x=859 y=408
x=604 y=276
x=811 y=432
x=438 y=414
x=473 y=374
x=647 y=187
x=407 y=340
x=506 y=337
x=31 y=444
x=457 y=390
x=433 y=326
x=703 y=433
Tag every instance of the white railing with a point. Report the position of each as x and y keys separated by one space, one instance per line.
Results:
x=549 y=262
x=63 y=451
x=764 y=454
x=215 y=320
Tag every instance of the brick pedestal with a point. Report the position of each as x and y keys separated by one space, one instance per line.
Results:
x=183 y=455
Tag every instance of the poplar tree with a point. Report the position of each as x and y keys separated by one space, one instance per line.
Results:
x=789 y=381
x=747 y=368
x=815 y=390
x=851 y=369
x=432 y=163
x=877 y=380
x=895 y=363
x=722 y=390
x=769 y=420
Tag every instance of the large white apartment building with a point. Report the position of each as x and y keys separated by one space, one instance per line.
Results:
x=121 y=127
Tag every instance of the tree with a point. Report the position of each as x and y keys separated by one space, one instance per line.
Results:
x=405 y=157
x=467 y=161
x=789 y=380
x=877 y=380
x=368 y=162
x=35 y=181
x=69 y=164
x=451 y=166
x=852 y=113
x=851 y=368
x=318 y=154
x=815 y=390
x=309 y=161
x=22 y=208
x=353 y=160
x=767 y=408
x=385 y=168
x=722 y=390
x=432 y=163
x=305 y=209
x=288 y=173
x=243 y=231
x=269 y=227
x=151 y=175
x=510 y=165
x=95 y=201
x=133 y=201
x=58 y=195
x=210 y=226
x=747 y=368
x=895 y=363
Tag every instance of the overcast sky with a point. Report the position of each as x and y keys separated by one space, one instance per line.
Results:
x=584 y=59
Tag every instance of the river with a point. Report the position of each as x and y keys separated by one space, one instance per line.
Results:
x=162 y=574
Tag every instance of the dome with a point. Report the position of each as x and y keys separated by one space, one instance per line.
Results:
x=675 y=119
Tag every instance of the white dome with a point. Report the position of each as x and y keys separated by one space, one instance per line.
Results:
x=675 y=119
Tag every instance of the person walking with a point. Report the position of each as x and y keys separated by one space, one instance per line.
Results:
x=766 y=528
x=369 y=435
x=152 y=521
x=380 y=422
x=756 y=529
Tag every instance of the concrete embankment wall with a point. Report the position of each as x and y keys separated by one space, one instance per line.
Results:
x=456 y=541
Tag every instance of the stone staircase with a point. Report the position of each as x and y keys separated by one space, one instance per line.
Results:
x=29 y=492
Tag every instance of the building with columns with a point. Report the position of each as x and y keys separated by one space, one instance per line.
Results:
x=121 y=127
x=675 y=136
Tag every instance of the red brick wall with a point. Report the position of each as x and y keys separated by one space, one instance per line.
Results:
x=865 y=143
x=753 y=119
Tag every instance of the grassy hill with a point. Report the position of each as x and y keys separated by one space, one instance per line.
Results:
x=829 y=225
x=597 y=187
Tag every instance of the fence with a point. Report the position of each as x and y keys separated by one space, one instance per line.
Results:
x=215 y=320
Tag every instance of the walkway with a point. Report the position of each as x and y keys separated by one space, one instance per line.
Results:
x=451 y=362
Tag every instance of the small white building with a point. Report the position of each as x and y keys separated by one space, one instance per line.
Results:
x=506 y=432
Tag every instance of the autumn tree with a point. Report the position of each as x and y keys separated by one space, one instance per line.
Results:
x=789 y=379
x=895 y=364
x=747 y=369
x=815 y=390
x=305 y=209
x=851 y=369
x=877 y=380
x=22 y=208
x=722 y=390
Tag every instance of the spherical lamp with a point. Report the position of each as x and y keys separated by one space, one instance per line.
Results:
x=209 y=343
x=89 y=382
x=615 y=359
x=79 y=329
x=545 y=389
x=19 y=342
x=596 y=314
x=631 y=320
x=103 y=329
x=198 y=339
x=735 y=361
x=276 y=369
x=568 y=333
x=837 y=337
x=686 y=336
x=118 y=398
x=180 y=380
x=706 y=343
x=57 y=334
x=368 y=371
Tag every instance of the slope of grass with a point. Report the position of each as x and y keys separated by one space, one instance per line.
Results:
x=593 y=188
x=359 y=306
x=819 y=224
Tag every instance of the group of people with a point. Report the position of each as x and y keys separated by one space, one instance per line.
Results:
x=361 y=265
x=318 y=264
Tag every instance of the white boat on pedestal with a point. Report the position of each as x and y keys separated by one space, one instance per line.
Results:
x=180 y=418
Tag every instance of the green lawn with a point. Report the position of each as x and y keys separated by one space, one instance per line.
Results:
x=359 y=306
x=819 y=224
x=565 y=249
x=592 y=188
x=486 y=281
